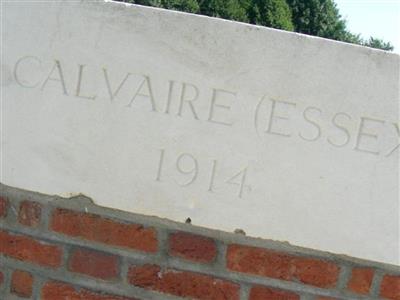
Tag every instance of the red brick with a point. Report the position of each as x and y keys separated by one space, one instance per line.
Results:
x=1 y=278
x=264 y=293
x=360 y=280
x=259 y=262
x=279 y=265
x=96 y=228
x=29 y=213
x=192 y=247
x=28 y=249
x=315 y=272
x=3 y=207
x=182 y=284
x=93 y=263
x=21 y=283
x=390 y=287
x=62 y=291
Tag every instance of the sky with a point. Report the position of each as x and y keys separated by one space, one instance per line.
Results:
x=377 y=18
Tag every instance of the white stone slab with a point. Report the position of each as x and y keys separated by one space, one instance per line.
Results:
x=285 y=136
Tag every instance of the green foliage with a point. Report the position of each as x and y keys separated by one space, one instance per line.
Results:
x=272 y=13
x=318 y=17
x=378 y=43
x=191 y=6
x=322 y=18
x=226 y=9
x=314 y=17
x=155 y=3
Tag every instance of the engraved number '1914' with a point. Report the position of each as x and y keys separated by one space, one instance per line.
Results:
x=186 y=170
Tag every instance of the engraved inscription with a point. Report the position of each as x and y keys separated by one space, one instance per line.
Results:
x=397 y=147
x=183 y=98
x=239 y=180
x=185 y=170
x=337 y=121
x=273 y=117
x=363 y=134
x=188 y=166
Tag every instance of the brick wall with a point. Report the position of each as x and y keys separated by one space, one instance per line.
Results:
x=53 y=248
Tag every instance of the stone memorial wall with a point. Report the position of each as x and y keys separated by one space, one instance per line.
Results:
x=285 y=136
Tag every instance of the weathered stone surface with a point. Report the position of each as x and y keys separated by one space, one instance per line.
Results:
x=235 y=126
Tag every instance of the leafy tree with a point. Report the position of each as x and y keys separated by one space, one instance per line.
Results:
x=314 y=17
x=318 y=17
x=272 y=13
x=182 y=5
x=352 y=38
x=155 y=3
x=322 y=18
x=378 y=43
x=226 y=9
